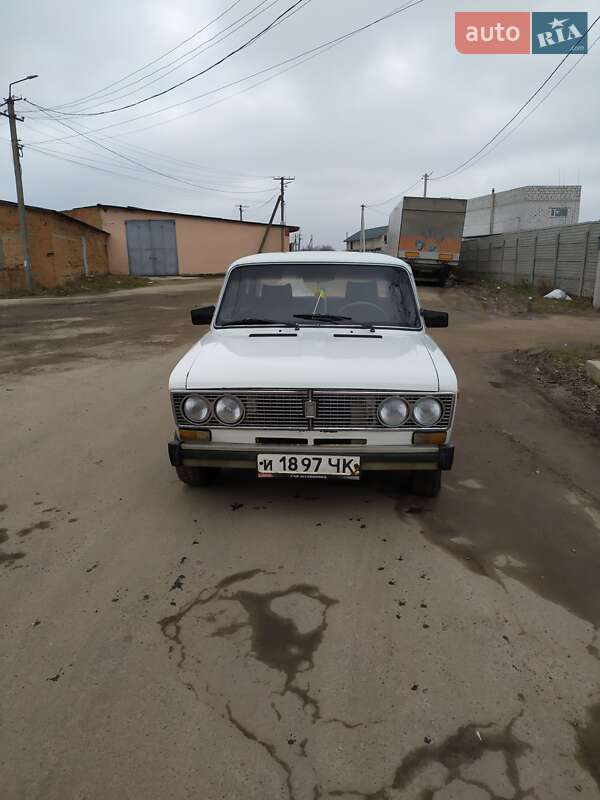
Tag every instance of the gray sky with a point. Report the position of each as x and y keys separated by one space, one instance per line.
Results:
x=357 y=124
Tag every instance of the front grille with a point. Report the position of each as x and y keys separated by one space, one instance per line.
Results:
x=335 y=410
x=358 y=410
x=275 y=409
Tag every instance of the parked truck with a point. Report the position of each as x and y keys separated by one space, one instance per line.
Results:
x=427 y=232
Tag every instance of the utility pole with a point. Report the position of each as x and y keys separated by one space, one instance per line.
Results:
x=362 y=228
x=425 y=179
x=14 y=140
x=241 y=208
x=283 y=182
x=492 y=210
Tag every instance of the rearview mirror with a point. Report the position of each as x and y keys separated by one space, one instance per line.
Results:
x=202 y=316
x=435 y=319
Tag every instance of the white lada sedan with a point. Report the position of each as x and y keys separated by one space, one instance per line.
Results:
x=316 y=365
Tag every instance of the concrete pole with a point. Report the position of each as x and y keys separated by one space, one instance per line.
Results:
x=12 y=120
x=362 y=229
x=596 y=300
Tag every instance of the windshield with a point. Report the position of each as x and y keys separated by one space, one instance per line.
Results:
x=319 y=294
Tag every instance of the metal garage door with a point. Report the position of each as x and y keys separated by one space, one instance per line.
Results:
x=152 y=247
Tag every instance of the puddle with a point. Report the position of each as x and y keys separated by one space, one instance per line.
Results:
x=463 y=748
x=552 y=549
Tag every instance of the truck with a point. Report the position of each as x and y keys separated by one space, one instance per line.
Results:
x=426 y=232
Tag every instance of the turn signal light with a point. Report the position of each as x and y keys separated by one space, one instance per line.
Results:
x=429 y=438
x=445 y=256
x=194 y=436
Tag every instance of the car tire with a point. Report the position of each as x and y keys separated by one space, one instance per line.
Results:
x=426 y=483
x=197 y=476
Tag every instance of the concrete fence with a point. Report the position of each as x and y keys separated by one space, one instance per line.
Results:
x=565 y=258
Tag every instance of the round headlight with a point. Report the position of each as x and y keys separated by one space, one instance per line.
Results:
x=427 y=411
x=196 y=409
x=393 y=412
x=229 y=410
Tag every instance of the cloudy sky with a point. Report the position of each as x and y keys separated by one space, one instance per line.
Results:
x=357 y=124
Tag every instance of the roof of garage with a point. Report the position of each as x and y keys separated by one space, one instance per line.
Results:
x=290 y=228
x=55 y=213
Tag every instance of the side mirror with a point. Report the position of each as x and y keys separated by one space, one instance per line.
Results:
x=202 y=316
x=435 y=319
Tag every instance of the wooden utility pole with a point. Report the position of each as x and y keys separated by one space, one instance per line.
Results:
x=16 y=154
x=283 y=181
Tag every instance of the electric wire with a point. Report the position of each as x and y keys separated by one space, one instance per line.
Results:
x=183 y=59
x=517 y=113
x=299 y=58
x=187 y=80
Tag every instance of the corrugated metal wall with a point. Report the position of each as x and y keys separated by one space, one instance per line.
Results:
x=564 y=258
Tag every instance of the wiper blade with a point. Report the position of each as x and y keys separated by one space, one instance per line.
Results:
x=335 y=318
x=258 y=321
x=326 y=317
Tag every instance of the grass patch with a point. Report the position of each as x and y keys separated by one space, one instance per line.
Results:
x=573 y=357
x=94 y=284
x=524 y=298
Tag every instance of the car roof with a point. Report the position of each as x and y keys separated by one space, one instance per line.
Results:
x=321 y=257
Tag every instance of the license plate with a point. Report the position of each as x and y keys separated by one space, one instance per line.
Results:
x=308 y=466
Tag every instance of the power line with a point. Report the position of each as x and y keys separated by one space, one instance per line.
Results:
x=229 y=55
x=396 y=196
x=77 y=162
x=531 y=112
x=154 y=61
x=518 y=113
x=480 y=154
x=183 y=59
x=228 y=175
x=299 y=58
x=151 y=169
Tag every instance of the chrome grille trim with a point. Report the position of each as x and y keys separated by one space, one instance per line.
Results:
x=358 y=410
x=284 y=409
x=267 y=409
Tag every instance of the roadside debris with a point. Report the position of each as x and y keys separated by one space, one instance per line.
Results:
x=557 y=294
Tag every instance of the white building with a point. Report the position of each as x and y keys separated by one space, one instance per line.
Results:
x=375 y=240
x=522 y=209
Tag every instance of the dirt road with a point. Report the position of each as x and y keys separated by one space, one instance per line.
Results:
x=262 y=640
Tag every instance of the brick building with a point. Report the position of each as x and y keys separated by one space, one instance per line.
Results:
x=61 y=248
x=523 y=209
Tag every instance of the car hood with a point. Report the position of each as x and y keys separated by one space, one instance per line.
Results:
x=310 y=358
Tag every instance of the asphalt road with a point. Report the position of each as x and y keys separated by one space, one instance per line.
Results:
x=271 y=639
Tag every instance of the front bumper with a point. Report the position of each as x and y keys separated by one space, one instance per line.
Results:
x=243 y=456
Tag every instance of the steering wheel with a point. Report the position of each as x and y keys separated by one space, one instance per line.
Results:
x=380 y=313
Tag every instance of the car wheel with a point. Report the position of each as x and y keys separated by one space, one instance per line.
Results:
x=426 y=483
x=197 y=476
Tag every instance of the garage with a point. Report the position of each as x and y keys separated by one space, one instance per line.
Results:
x=152 y=247
x=153 y=243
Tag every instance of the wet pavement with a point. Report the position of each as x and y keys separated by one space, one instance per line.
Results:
x=281 y=639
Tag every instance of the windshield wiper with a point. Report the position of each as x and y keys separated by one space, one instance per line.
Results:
x=326 y=317
x=335 y=318
x=258 y=321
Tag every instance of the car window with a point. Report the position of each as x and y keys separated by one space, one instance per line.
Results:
x=291 y=293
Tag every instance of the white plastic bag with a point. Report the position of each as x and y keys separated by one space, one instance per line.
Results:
x=557 y=294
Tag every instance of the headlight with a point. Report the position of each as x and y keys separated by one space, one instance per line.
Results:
x=229 y=410
x=393 y=412
x=427 y=411
x=196 y=409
